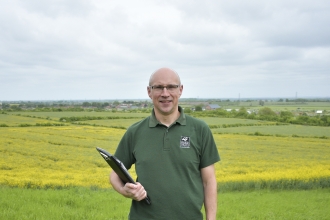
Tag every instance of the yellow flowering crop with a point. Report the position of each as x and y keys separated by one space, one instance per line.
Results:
x=272 y=159
x=57 y=157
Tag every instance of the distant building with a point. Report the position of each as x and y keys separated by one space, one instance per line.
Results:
x=123 y=106
x=212 y=107
x=319 y=112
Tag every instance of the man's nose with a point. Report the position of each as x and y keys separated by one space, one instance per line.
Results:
x=165 y=92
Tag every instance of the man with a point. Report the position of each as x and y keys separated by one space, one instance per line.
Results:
x=174 y=156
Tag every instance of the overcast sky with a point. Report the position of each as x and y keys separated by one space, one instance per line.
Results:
x=98 y=49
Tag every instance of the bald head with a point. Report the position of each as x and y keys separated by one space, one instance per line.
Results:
x=164 y=73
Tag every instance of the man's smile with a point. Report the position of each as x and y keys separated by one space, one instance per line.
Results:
x=165 y=101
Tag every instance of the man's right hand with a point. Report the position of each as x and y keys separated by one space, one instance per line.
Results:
x=134 y=191
x=129 y=190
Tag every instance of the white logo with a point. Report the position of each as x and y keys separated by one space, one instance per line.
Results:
x=185 y=142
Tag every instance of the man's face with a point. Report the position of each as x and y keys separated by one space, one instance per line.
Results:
x=165 y=100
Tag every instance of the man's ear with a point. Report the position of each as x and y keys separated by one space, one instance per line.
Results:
x=149 y=91
x=181 y=89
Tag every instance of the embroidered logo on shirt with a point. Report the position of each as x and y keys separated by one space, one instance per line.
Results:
x=185 y=142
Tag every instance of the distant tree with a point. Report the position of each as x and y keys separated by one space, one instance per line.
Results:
x=266 y=112
x=242 y=112
x=325 y=120
x=198 y=108
x=286 y=114
x=86 y=104
x=5 y=105
x=221 y=112
x=16 y=108
x=187 y=110
x=97 y=104
x=105 y=104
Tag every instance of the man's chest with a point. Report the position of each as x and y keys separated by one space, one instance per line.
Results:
x=162 y=146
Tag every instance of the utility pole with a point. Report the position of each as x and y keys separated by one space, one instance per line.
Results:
x=239 y=98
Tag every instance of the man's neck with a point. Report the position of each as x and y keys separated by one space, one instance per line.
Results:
x=168 y=119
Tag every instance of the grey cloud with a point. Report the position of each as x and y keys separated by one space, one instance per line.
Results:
x=106 y=46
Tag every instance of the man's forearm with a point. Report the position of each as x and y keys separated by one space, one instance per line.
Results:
x=210 y=192
x=116 y=183
x=210 y=200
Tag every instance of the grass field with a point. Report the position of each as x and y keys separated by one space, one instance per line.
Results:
x=57 y=115
x=84 y=203
x=57 y=174
x=278 y=106
x=124 y=123
x=14 y=120
x=221 y=121
x=279 y=130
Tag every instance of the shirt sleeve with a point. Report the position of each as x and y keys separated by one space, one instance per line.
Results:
x=124 y=150
x=210 y=154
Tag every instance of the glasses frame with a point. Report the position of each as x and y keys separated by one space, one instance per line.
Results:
x=157 y=87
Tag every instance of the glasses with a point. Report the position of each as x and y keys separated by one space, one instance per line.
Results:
x=169 y=88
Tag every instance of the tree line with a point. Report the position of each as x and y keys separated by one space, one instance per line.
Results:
x=266 y=114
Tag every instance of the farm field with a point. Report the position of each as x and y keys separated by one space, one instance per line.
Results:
x=279 y=130
x=286 y=175
x=209 y=120
x=13 y=120
x=55 y=157
x=278 y=106
x=253 y=162
x=122 y=123
x=60 y=157
x=57 y=115
x=124 y=120
x=220 y=121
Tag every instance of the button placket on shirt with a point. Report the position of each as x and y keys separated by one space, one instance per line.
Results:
x=166 y=145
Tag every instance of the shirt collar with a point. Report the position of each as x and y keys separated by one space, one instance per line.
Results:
x=153 y=122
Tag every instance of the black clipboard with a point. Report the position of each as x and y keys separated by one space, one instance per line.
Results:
x=119 y=168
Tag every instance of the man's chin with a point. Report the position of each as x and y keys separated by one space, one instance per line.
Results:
x=166 y=110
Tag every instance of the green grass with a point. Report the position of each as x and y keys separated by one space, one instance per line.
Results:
x=284 y=130
x=220 y=121
x=313 y=204
x=84 y=203
x=74 y=203
x=122 y=123
x=14 y=120
x=57 y=115
x=278 y=106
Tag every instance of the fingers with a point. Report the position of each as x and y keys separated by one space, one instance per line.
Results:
x=135 y=191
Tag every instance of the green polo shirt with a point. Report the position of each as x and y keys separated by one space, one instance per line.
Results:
x=168 y=161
